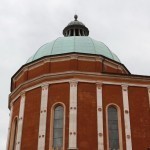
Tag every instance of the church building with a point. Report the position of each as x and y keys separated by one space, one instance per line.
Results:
x=75 y=94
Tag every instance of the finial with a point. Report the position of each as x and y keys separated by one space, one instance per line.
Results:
x=75 y=17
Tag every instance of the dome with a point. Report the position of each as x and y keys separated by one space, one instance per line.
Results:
x=75 y=23
x=78 y=44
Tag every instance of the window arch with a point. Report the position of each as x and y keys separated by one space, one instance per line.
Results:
x=13 y=134
x=57 y=127
x=114 y=131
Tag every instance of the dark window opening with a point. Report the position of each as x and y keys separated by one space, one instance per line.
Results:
x=113 y=128
x=81 y=32
x=76 y=32
x=71 y=32
x=58 y=128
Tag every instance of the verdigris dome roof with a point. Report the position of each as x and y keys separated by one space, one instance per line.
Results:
x=78 y=44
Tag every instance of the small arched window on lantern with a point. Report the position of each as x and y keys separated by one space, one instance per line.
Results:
x=13 y=134
x=114 y=128
x=57 y=127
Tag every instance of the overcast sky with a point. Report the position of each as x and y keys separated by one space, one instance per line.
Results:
x=25 y=25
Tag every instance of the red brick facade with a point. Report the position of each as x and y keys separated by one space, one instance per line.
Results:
x=87 y=71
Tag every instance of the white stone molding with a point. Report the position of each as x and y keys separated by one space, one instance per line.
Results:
x=66 y=81
x=149 y=95
x=127 y=117
x=100 y=135
x=43 y=117
x=73 y=116
x=73 y=56
x=20 y=122
x=10 y=120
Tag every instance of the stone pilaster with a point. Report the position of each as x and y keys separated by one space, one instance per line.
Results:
x=10 y=120
x=20 y=122
x=73 y=116
x=100 y=117
x=43 y=117
x=127 y=117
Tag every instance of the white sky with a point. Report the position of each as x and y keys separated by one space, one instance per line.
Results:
x=25 y=25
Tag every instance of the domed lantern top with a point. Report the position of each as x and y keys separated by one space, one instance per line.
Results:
x=75 y=28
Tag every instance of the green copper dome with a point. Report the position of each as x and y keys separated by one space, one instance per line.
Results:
x=70 y=44
x=76 y=40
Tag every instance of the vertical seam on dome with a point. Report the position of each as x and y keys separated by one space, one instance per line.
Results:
x=54 y=44
x=112 y=55
x=93 y=45
x=109 y=51
x=37 y=51
x=116 y=57
x=30 y=59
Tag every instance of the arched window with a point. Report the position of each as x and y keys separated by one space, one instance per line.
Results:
x=13 y=134
x=58 y=127
x=113 y=132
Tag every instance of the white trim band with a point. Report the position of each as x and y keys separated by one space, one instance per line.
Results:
x=20 y=122
x=73 y=116
x=43 y=117
x=68 y=80
x=100 y=117
x=127 y=117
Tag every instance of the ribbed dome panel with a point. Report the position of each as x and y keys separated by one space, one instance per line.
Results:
x=79 y=44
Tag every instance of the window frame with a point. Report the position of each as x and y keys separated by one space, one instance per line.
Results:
x=52 y=124
x=119 y=125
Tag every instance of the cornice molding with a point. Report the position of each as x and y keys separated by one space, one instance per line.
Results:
x=73 y=77
x=94 y=75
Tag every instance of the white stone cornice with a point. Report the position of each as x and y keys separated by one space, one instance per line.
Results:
x=17 y=77
x=46 y=60
x=35 y=66
x=110 y=64
x=100 y=59
x=89 y=74
x=73 y=80
x=74 y=56
x=25 y=69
